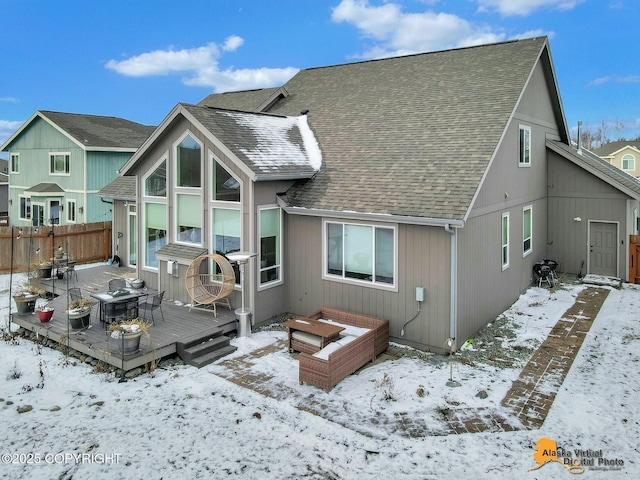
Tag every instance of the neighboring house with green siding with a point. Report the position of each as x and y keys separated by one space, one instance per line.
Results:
x=58 y=162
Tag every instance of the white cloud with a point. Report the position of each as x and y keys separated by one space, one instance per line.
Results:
x=8 y=128
x=202 y=65
x=525 y=7
x=395 y=32
x=618 y=79
x=9 y=99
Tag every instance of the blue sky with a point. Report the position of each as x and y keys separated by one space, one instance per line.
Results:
x=137 y=59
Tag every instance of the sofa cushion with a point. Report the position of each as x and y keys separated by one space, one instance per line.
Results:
x=334 y=346
x=348 y=329
x=328 y=350
x=305 y=337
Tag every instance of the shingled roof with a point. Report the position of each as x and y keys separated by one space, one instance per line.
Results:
x=121 y=188
x=411 y=135
x=269 y=147
x=613 y=147
x=94 y=132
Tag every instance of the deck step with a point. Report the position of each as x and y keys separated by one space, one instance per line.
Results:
x=212 y=356
x=204 y=347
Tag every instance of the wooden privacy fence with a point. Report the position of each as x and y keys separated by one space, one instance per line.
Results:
x=85 y=243
x=634 y=258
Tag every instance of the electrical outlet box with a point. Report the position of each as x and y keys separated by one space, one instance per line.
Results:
x=420 y=294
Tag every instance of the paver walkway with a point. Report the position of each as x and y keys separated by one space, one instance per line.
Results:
x=529 y=398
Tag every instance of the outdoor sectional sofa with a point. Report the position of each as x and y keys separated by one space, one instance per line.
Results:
x=364 y=339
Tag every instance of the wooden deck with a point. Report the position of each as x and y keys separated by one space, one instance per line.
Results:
x=179 y=323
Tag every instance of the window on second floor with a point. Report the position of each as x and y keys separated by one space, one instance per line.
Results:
x=155 y=184
x=15 y=163
x=188 y=163
x=59 y=163
x=524 y=159
x=628 y=162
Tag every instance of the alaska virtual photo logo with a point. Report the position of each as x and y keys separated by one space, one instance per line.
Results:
x=575 y=461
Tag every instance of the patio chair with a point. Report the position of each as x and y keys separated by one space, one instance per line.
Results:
x=152 y=303
x=75 y=294
x=116 y=284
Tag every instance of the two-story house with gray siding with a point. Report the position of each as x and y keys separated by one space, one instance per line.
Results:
x=421 y=189
x=58 y=162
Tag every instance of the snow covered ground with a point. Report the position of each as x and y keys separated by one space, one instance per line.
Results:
x=188 y=423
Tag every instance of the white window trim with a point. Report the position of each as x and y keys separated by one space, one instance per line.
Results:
x=505 y=245
x=227 y=206
x=176 y=233
x=520 y=162
x=352 y=281
x=213 y=159
x=20 y=197
x=280 y=280
x=633 y=161
x=49 y=202
x=143 y=263
x=67 y=209
x=11 y=170
x=174 y=169
x=44 y=210
x=59 y=174
x=151 y=171
x=530 y=238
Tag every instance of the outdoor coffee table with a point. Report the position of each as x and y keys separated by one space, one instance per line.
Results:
x=325 y=331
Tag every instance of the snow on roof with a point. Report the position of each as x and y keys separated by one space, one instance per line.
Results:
x=276 y=143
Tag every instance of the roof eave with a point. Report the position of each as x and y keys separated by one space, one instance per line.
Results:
x=370 y=217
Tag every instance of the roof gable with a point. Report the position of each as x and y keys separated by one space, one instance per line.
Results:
x=266 y=147
x=91 y=132
x=613 y=148
x=595 y=165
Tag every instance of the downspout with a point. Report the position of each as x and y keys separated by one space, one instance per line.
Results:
x=453 y=297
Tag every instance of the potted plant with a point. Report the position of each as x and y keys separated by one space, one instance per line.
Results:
x=79 y=313
x=59 y=253
x=128 y=333
x=44 y=313
x=44 y=270
x=26 y=298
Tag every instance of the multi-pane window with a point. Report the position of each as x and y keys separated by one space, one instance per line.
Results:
x=524 y=143
x=155 y=231
x=25 y=208
x=155 y=184
x=188 y=163
x=362 y=253
x=59 y=163
x=527 y=227
x=628 y=162
x=270 y=242
x=71 y=211
x=505 y=240
x=15 y=163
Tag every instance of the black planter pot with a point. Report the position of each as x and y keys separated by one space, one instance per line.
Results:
x=79 y=321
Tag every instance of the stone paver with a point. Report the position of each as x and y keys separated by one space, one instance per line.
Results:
x=529 y=399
